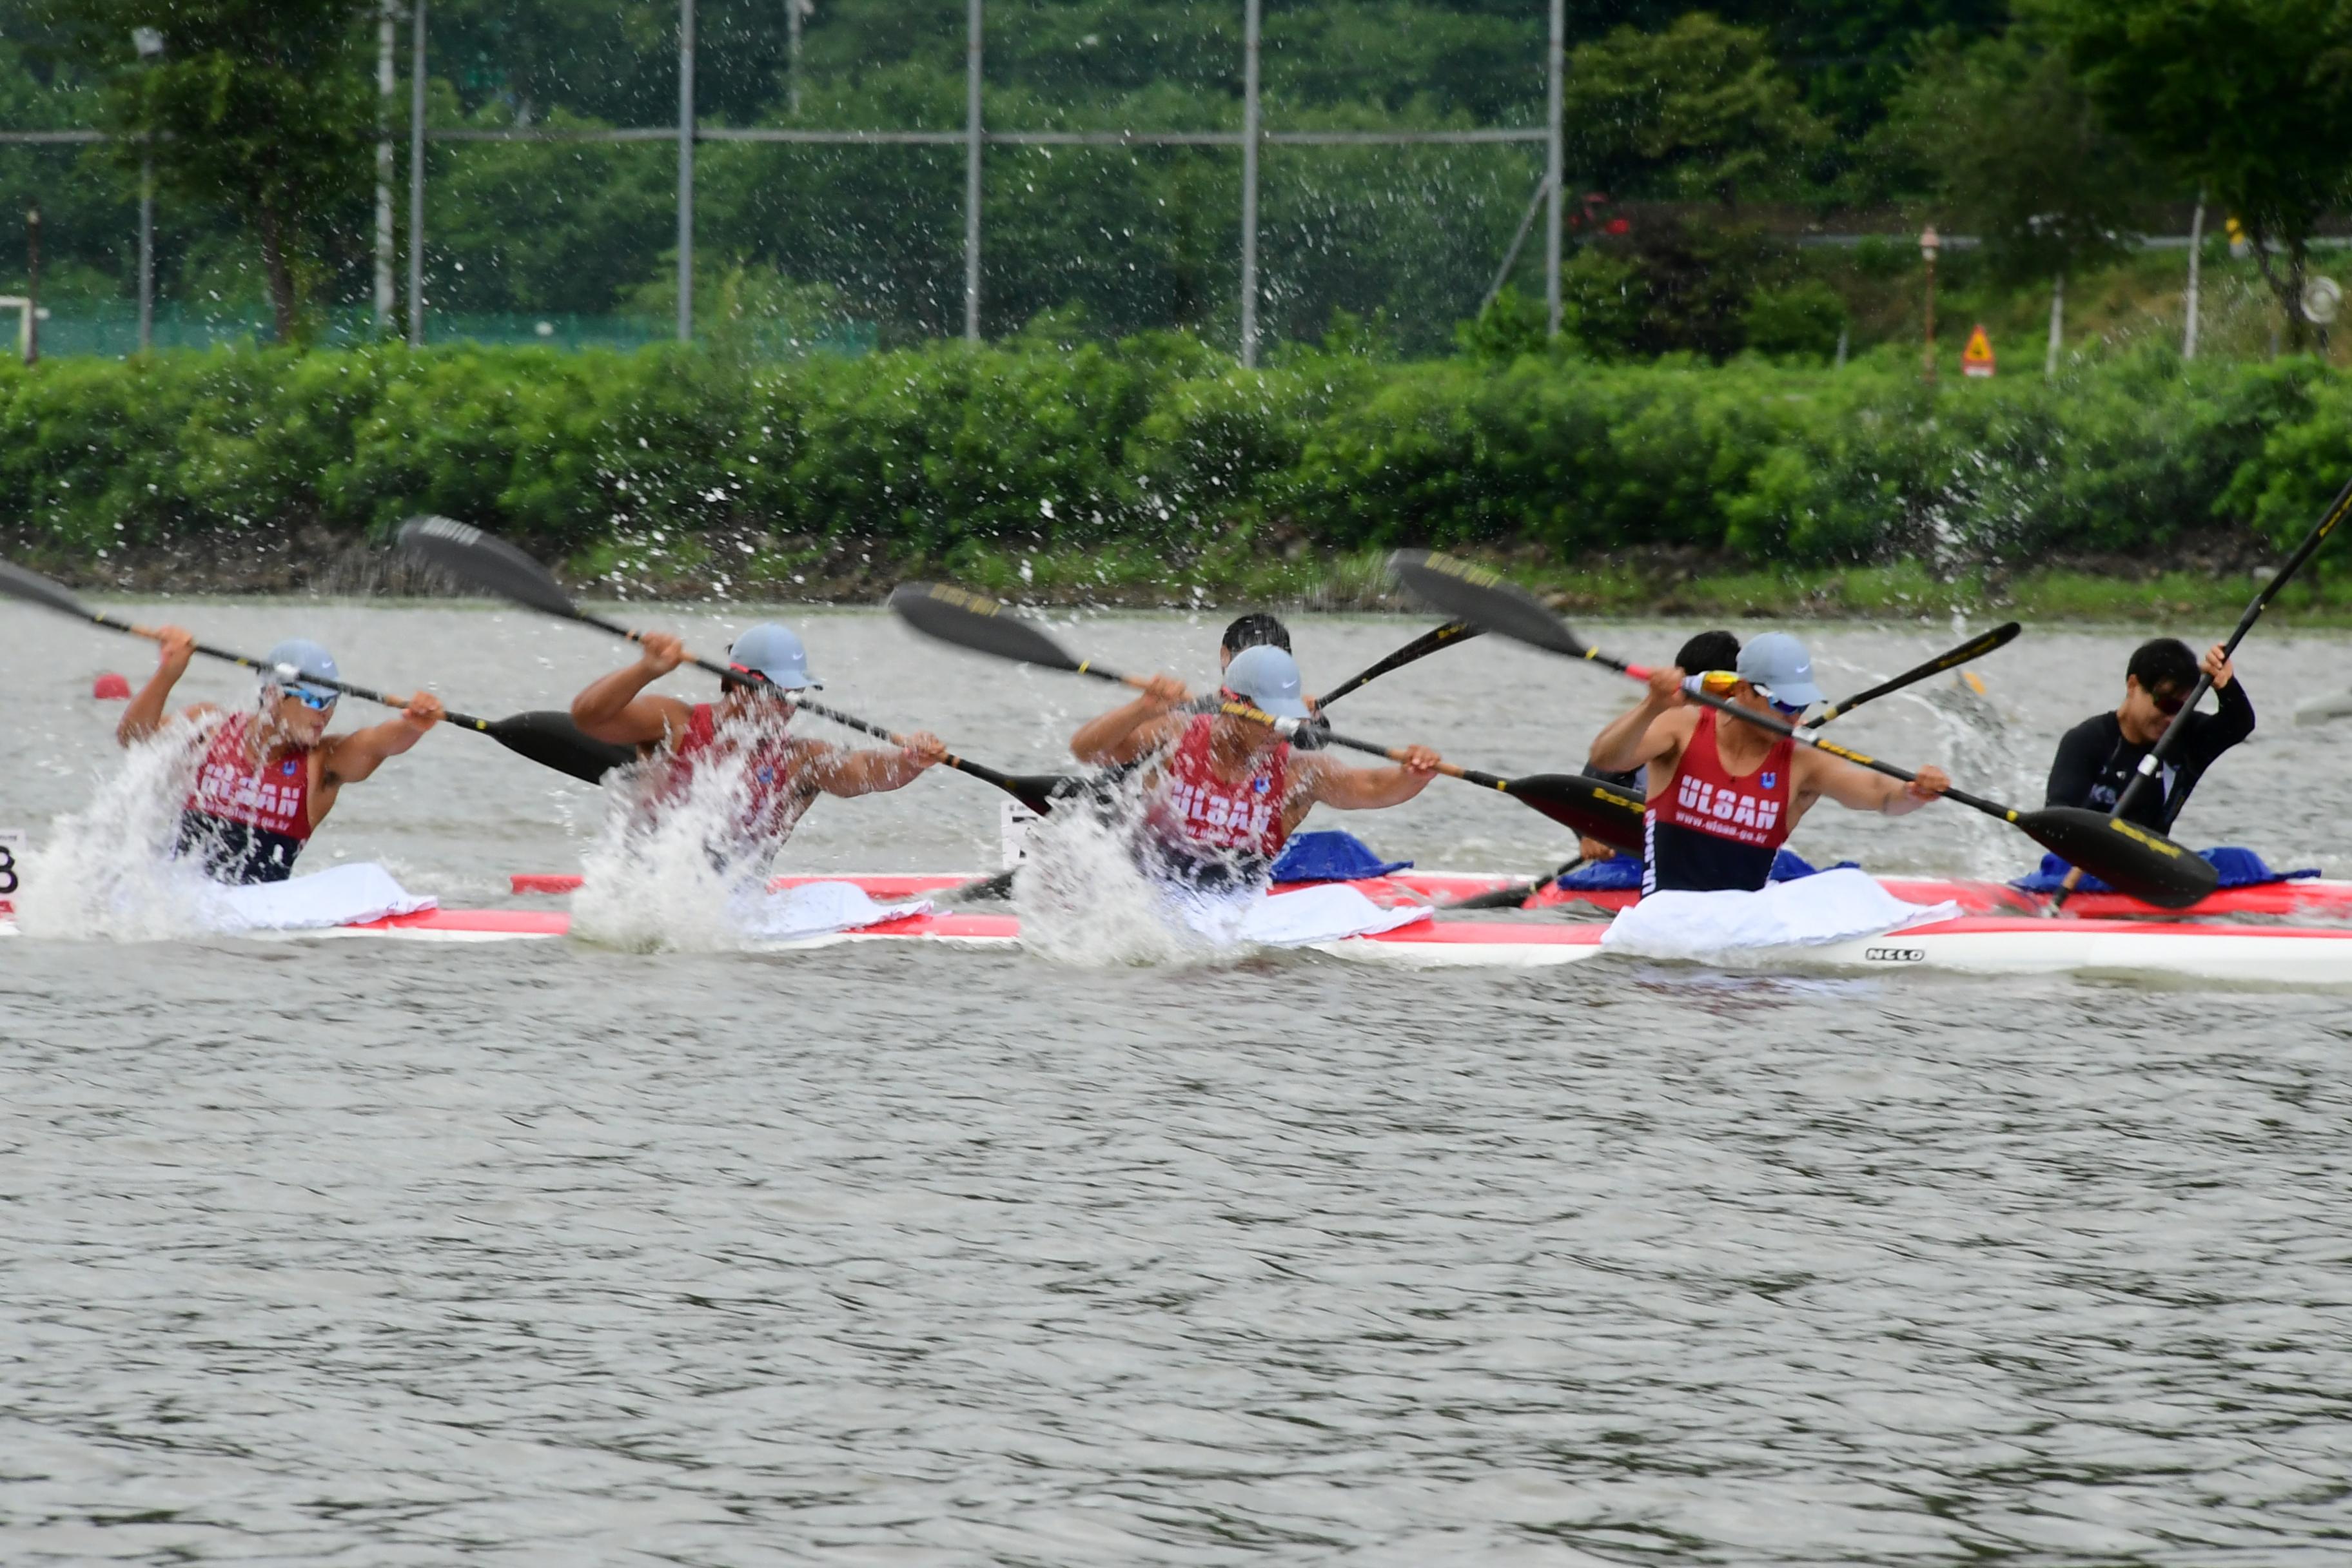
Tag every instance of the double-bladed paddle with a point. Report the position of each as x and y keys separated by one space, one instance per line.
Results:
x=2146 y=865
x=466 y=553
x=549 y=739
x=974 y=621
x=1422 y=646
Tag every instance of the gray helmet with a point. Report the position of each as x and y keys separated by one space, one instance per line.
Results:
x=1268 y=677
x=293 y=659
x=775 y=652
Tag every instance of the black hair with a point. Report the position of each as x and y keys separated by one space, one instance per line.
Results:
x=1257 y=629
x=2163 y=666
x=1708 y=650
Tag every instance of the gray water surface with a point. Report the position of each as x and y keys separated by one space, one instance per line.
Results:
x=378 y=1252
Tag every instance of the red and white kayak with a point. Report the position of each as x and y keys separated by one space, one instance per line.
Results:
x=1972 y=944
x=2310 y=898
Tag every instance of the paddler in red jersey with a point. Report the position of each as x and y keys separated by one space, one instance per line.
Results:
x=269 y=777
x=1222 y=794
x=782 y=774
x=1723 y=795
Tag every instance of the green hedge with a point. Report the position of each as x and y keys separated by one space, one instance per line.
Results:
x=1160 y=442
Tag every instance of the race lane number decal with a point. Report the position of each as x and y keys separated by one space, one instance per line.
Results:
x=1894 y=954
x=14 y=842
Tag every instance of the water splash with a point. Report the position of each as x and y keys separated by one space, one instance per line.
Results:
x=1084 y=900
x=674 y=868
x=107 y=873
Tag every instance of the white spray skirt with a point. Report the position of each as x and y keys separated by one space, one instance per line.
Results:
x=1832 y=905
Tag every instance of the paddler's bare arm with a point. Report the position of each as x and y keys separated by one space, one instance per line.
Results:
x=1819 y=773
x=347 y=759
x=1343 y=788
x=1652 y=730
x=1135 y=729
x=846 y=772
x=145 y=714
x=614 y=707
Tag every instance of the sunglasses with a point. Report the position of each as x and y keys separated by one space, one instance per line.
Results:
x=317 y=702
x=2168 y=704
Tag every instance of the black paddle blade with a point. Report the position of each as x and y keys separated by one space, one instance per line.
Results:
x=1594 y=808
x=1472 y=593
x=36 y=589
x=2126 y=856
x=977 y=621
x=472 y=556
x=553 y=741
x=1040 y=791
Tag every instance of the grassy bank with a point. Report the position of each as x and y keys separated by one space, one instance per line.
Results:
x=1155 y=471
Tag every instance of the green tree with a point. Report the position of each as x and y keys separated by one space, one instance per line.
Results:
x=1698 y=110
x=263 y=106
x=2252 y=99
x=2022 y=158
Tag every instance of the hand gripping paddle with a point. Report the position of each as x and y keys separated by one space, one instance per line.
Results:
x=2146 y=865
x=974 y=621
x=473 y=557
x=549 y=739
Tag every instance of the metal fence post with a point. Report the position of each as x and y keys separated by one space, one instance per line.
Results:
x=146 y=251
x=416 y=176
x=1555 y=160
x=2195 y=256
x=387 y=83
x=686 y=171
x=1252 y=16
x=973 y=22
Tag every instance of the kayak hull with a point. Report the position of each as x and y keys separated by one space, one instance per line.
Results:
x=1973 y=945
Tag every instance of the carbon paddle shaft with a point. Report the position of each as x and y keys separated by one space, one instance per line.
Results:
x=466 y=720
x=2153 y=763
x=1976 y=647
x=1420 y=647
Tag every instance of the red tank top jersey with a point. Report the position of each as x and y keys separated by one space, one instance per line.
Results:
x=1708 y=830
x=771 y=806
x=274 y=798
x=1703 y=798
x=1202 y=809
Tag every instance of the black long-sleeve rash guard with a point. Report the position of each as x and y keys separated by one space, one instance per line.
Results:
x=2095 y=761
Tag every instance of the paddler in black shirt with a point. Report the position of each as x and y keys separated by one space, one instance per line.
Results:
x=2098 y=757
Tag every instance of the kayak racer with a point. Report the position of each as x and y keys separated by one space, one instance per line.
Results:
x=1723 y=795
x=782 y=774
x=269 y=776
x=1222 y=794
x=2096 y=758
x=1702 y=652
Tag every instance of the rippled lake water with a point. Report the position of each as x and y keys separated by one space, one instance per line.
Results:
x=383 y=1253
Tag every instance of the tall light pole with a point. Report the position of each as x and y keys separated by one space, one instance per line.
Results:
x=1928 y=246
x=148 y=43
x=686 y=171
x=417 y=173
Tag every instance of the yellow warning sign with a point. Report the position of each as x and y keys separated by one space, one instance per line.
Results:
x=1977 y=358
